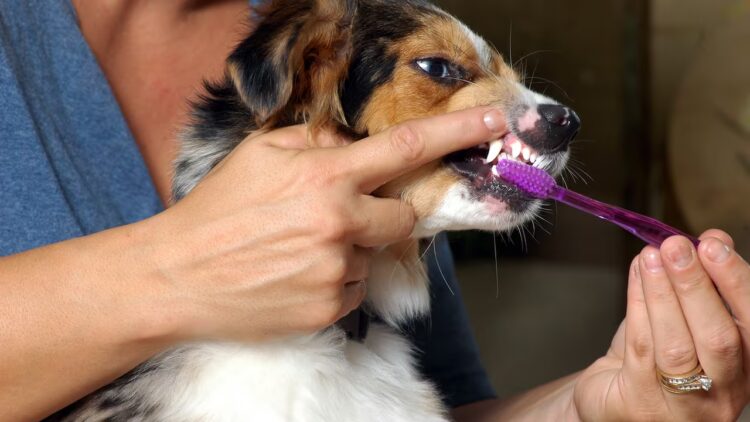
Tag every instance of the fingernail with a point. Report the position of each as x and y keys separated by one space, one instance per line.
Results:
x=494 y=121
x=652 y=261
x=681 y=255
x=717 y=251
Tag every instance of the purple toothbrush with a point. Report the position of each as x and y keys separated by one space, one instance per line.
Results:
x=539 y=184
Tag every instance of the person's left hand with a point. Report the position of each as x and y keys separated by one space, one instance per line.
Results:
x=676 y=319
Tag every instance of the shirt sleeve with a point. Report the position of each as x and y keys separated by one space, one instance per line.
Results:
x=447 y=351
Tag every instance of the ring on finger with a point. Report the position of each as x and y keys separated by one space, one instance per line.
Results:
x=695 y=380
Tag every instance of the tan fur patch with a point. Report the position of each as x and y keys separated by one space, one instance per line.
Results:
x=411 y=95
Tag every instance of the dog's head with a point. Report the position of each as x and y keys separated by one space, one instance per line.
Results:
x=362 y=66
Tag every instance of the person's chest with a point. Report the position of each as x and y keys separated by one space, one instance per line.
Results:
x=154 y=78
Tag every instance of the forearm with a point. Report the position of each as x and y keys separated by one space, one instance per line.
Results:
x=74 y=316
x=549 y=402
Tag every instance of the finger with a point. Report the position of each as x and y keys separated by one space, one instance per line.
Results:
x=731 y=275
x=354 y=294
x=382 y=221
x=380 y=158
x=639 y=343
x=717 y=341
x=673 y=345
x=718 y=234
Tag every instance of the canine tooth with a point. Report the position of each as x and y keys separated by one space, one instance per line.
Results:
x=526 y=153
x=533 y=157
x=516 y=150
x=495 y=148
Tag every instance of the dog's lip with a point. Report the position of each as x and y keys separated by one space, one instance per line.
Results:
x=470 y=164
x=473 y=165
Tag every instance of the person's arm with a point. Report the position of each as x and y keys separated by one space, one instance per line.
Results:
x=76 y=315
x=249 y=243
x=549 y=402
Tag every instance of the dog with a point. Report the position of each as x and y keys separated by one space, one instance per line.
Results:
x=358 y=67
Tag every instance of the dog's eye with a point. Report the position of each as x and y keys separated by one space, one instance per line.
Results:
x=440 y=68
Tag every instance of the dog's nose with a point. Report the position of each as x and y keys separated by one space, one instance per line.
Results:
x=562 y=125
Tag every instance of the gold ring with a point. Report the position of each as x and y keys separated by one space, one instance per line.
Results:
x=695 y=380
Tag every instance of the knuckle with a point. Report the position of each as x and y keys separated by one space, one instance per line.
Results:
x=689 y=283
x=739 y=280
x=725 y=344
x=661 y=294
x=407 y=141
x=313 y=172
x=334 y=226
x=643 y=346
x=679 y=355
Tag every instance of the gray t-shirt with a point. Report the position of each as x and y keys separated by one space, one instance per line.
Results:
x=69 y=167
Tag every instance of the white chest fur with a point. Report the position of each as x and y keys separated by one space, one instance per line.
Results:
x=322 y=377
x=318 y=378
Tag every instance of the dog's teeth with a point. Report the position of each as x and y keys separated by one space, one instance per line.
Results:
x=526 y=152
x=533 y=157
x=495 y=148
x=503 y=156
x=516 y=150
x=495 y=172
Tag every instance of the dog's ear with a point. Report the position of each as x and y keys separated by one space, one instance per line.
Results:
x=293 y=65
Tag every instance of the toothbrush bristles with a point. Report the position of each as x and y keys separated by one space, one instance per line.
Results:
x=534 y=181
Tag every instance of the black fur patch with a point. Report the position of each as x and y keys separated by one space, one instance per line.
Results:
x=372 y=66
x=220 y=114
x=261 y=75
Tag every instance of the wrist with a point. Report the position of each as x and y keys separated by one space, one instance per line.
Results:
x=139 y=297
x=553 y=401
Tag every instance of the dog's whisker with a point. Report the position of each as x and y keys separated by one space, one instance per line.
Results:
x=427 y=249
x=400 y=259
x=528 y=55
x=497 y=270
x=440 y=269
x=547 y=81
x=462 y=80
x=510 y=44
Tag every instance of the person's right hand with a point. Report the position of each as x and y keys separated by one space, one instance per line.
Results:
x=275 y=240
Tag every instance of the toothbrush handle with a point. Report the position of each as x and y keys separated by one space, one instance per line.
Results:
x=649 y=229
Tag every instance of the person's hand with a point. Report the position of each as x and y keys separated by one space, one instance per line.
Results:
x=676 y=319
x=275 y=240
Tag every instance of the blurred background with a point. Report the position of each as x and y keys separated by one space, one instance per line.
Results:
x=663 y=89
